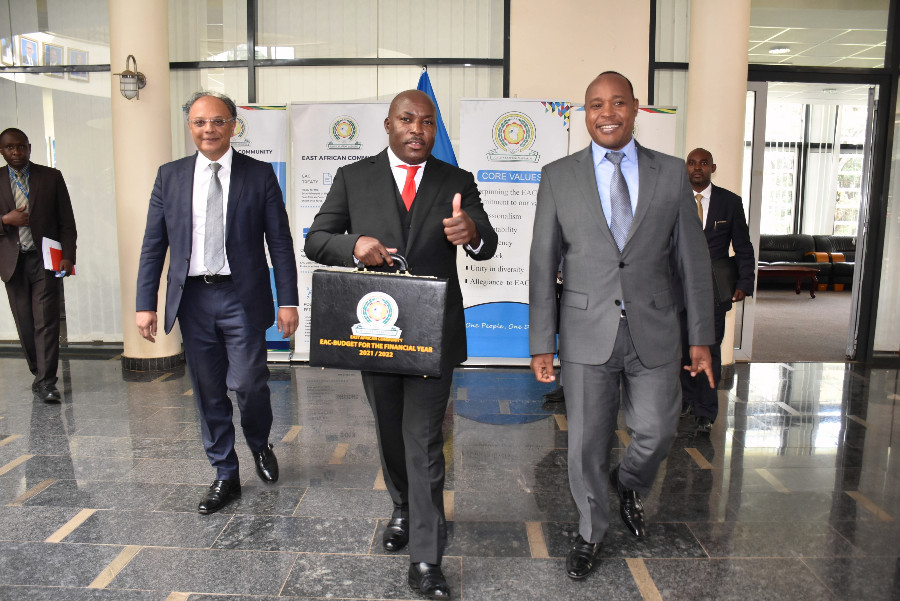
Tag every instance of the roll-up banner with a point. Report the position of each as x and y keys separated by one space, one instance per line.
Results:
x=325 y=137
x=261 y=132
x=504 y=143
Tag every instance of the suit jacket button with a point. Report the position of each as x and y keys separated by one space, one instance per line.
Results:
x=621 y=265
x=618 y=302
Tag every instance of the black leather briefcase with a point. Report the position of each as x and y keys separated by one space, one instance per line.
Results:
x=725 y=277
x=376 y=321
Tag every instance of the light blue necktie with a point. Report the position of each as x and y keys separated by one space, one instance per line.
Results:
x=214 y=238
x=619 y=200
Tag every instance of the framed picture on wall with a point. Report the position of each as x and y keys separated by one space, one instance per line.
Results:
x=28 y=52
x=78 y=57
x=7 y=51
x=53 y=57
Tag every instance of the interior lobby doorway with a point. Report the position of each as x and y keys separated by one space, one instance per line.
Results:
x=807 y=169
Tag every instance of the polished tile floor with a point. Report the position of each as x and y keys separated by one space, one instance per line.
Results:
x=795 y=495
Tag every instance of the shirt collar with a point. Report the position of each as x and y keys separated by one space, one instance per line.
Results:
x=706 y=192
x=224 y=160
x=394 y=161
x=25 y=171
x=629 y=149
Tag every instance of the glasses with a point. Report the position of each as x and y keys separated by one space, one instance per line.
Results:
x=198 y=123
x=12 y=147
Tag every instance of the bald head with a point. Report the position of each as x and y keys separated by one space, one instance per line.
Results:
x=411 y=126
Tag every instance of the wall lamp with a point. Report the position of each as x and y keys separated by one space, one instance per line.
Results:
x=131 y=81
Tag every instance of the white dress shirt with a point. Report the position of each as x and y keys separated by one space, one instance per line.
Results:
x=202 y=177
x=704 y=201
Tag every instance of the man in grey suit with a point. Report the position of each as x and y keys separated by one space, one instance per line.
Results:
x=615 y=212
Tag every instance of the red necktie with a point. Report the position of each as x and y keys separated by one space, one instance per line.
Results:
x=409 y=186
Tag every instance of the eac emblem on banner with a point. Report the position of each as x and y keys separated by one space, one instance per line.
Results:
x=373 y=321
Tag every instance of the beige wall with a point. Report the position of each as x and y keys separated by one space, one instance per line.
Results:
x=557 y=48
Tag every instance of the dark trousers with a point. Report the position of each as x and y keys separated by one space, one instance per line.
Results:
x=409 y=415
x=34 y=300
x=696 y=391
x=223 y=351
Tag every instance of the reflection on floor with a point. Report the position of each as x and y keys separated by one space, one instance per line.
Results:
x=794 y=496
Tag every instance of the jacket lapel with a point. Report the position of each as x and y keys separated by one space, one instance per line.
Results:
x=235 y=192
x=647 y=178
x=426 y=199
x=183 y=197
x=384 y=198
x=586 y=181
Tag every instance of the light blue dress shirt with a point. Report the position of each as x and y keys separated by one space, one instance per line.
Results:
x=603 y=170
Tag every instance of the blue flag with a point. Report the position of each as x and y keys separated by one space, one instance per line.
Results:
x=442 y=150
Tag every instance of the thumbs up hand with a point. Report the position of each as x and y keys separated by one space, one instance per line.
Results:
x=459 y=227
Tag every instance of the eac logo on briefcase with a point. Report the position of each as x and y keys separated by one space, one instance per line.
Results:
x=374 y=321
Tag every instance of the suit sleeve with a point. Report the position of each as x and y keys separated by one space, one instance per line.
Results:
x=153 y=250
x=544 y=262
x=471 y=204
x=743 y=248
x=694 y=267
x=327 y=240
x=65 y=219
x=280 y=242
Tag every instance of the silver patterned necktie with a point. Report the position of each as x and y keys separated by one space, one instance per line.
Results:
x=214 y=238
x=20 y=191
x=619 y=200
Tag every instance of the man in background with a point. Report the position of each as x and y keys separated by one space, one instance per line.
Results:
x=721 y=213
x=34 y=204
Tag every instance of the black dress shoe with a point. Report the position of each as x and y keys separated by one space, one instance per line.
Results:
x=555 y=396
x=582 y=559
x=704 y=425
x=266 y=465
x=396 y=535
x=428 y=579
x=630 y=507
x=48 y=394
x=220 y=493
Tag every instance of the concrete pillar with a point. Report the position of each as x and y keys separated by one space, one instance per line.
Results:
x=142 y=141
x=716 y=101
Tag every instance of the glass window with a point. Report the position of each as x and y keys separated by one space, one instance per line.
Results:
x=804 y=33
x=887 y=324
x=673 y=20
x=671 y=91
x=207 y=30
x=380 y=29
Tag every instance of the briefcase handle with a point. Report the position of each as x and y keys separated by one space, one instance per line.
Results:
x=402 y=268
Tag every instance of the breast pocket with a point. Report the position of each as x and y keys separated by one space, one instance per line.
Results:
x=571 y=298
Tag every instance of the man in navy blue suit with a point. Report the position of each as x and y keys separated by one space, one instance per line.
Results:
x=724 y=224
x=216 y=212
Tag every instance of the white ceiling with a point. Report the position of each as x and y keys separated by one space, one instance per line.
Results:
x=818 y=47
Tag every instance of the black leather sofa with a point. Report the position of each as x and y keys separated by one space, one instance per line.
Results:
x=833 y=256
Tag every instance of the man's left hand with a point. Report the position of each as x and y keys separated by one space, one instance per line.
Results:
x=288 y=320
x=739 y=295
x=701 y=360
x=66 y=267
x=459 y=228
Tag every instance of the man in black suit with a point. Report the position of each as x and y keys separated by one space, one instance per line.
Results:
x=722 y=215
x=34 y=204
x=405 y=200
x=215 y=212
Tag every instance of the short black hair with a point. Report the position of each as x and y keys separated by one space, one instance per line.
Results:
x=630 y=87
x=14 y=130
x=198 y=95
